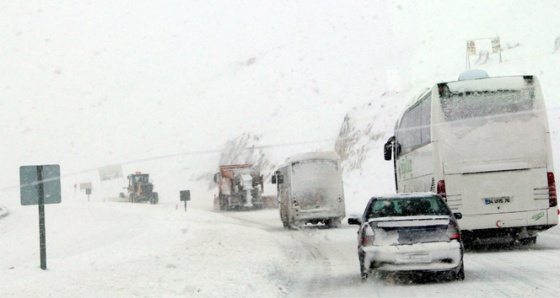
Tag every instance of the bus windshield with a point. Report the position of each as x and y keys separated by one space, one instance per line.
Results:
x=486 y=104
x=488 y=124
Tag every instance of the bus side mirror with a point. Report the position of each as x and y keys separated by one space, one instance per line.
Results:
x=458 y=215
x=388 y=148
x=277 y=178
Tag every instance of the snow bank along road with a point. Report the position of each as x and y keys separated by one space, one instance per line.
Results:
x=122 y=250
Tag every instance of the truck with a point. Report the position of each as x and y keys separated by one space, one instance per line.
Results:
x=240 y=187
x=310 y=190
x=140 y=189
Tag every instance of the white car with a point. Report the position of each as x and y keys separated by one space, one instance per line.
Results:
x=409 y=232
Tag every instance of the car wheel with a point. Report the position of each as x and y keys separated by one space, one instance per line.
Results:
x=460 y=275
x=364 y=276
x=364 y=272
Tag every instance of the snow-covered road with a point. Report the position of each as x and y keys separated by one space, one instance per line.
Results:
x=121 y=250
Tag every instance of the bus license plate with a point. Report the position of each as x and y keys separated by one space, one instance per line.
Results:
x=497 y=200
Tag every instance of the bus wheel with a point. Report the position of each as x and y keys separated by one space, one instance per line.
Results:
x=296 y=225
x=333 y=223
x=527 y=241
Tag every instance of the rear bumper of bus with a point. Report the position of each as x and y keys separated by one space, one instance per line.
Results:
x=311 y=215
x=518 y=225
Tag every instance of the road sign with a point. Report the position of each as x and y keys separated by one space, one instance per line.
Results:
x=30 y=184
x=40 y=185
x=85 y=185
x=185 y=195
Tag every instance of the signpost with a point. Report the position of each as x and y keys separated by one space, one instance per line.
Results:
x=185 y=196
x=40 y=185
x=88 y=192
x=87 y=187
x=483 y=47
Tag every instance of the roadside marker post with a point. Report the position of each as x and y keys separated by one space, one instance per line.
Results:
x=40 y=185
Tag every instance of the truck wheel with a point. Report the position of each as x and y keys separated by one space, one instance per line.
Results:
x=155 y=198
x=223 y=203
x=216 y=204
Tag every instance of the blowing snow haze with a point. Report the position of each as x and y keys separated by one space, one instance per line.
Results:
x=174 y=88
x=86 y=85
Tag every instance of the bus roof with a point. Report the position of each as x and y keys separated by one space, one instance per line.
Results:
x=313 y=155
x=479 y=84
x=488 y=84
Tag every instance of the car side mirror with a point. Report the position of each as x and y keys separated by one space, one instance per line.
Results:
x=354 y=221
x=458 y=215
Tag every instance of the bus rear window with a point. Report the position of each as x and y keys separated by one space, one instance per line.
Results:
x=485 y=104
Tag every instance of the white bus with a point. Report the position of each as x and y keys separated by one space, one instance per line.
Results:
x=310 y=190
x=484 y=145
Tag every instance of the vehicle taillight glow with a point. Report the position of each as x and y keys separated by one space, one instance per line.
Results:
x=367 y=236
x=441 y=189
x=552 y=199
x=453 y=231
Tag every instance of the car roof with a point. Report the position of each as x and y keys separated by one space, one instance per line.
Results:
x=405 y=196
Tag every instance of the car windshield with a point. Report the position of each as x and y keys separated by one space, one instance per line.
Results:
x=407 y=207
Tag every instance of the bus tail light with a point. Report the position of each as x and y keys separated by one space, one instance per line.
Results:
x=552 y=199
x=441 y=189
